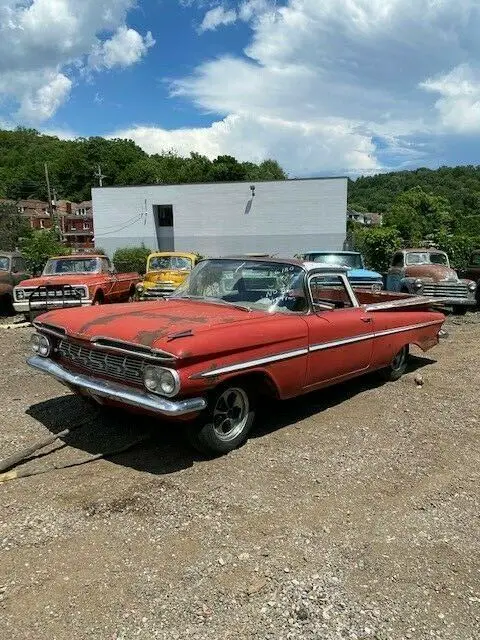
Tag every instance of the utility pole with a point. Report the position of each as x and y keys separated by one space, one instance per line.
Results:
x=48 y=190
x=100 y=176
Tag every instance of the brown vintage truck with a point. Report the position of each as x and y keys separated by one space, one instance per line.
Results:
x=427 y=272
x=12 y=271
x=472 y=271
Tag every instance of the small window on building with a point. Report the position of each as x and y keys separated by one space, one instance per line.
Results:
x=164 y=214
x=86 y=226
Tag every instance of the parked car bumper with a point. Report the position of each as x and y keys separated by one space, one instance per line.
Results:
x=151 y=293
x=457 y=302
x=48 y=305
x=114 y=391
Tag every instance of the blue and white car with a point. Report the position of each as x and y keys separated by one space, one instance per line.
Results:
x=357 y=274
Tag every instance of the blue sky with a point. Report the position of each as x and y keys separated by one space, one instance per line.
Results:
x=325 y=87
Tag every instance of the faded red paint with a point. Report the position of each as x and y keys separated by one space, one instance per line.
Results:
x=249 y=336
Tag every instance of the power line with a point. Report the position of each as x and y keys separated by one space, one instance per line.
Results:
x=97 y=235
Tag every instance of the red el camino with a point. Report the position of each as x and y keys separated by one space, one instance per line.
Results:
x=237 y=331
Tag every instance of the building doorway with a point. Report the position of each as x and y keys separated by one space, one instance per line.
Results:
x=163 y=216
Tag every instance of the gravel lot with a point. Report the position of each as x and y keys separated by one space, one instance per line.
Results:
x=352 y=513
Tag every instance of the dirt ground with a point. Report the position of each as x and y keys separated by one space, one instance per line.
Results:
x=351 y=513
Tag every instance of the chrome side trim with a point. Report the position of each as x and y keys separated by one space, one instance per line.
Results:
x=115 y=391
x=312 y=348
x=372 y=335
x=412 y=301
x=252 y=363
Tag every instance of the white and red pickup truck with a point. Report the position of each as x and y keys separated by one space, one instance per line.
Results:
x=74 y=281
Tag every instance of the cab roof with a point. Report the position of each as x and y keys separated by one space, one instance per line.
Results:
x=79 y=256
x=178 y=254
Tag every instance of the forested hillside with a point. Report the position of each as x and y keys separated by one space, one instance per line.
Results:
x=460 y=185
x=72 y=165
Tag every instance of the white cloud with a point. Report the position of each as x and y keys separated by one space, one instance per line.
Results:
x=372 y=66
x=124 y=48
x=300 y=147
x=216 y=17
x=459 y=104
x=44 y=43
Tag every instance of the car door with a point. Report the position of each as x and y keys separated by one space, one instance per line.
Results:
x=340 y=332
x=396 y=272
x=116 y=288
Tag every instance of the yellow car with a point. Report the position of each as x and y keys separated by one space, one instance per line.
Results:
x=166 y=270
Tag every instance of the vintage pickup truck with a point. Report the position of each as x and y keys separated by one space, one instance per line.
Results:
x=472 y=271
x=427 y=272
x=12 y=271
x=166 y=270
x=358 y=275
x=74 y=281
x=236 y=332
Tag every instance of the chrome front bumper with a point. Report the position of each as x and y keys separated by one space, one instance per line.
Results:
x=49 y=305
x=98 y=389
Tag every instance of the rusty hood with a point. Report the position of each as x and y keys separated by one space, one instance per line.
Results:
x=183 y=328
x=435 y=272
x=60 y=279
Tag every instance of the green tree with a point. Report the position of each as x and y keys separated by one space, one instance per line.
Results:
x=12 y=226
x=40 y=246
x=417 y=214
x=131 y=259
x=377 y=244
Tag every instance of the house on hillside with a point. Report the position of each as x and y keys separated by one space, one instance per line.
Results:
x=366 y=218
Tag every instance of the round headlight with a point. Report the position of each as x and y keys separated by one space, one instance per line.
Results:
x=19 y=294
x=41 y=345
x=163 y=381
x=377 y=286
x=472 y=286
x=80 y=291
x=418 y=284
x=139 y=287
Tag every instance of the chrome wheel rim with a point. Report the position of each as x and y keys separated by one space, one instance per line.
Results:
x=230 y=414
x=399 y=360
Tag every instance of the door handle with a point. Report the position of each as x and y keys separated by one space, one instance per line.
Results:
x=366 y=319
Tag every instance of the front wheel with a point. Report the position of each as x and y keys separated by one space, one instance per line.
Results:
x=397 y=367
x=226 y=423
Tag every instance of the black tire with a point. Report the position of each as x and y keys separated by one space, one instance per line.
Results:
x=213 y=436
x=398 y=366
x=460 y=310
x=98 y=299
x=132 y=295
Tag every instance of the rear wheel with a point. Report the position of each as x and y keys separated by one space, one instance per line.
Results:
x=131 y=295
x=398 y=365
x=98 y=299
x=226 y=423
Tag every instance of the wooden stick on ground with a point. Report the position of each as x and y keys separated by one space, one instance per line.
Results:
x=16 y=458
x=25 y=473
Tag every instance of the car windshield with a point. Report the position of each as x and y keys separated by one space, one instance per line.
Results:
x=425 y=257
x=169 y=262
x=4 y=263
x=250 y=284
x=350 y=260
x=59 y=266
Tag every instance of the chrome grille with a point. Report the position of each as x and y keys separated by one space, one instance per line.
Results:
x=97 y=361
x=57 y=292
x=445 y=289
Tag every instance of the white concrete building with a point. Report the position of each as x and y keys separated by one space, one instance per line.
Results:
x=281 y=217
